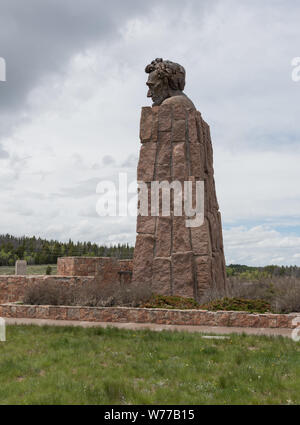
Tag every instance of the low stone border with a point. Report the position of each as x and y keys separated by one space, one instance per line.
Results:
x=150 y=315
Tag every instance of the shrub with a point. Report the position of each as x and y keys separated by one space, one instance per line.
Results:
x=97 y=294
x=238 y=304
x=281 y=292
x=49 y=292
x=167 y=301
x=48 y=270
x=286 y=297
x=93 y=294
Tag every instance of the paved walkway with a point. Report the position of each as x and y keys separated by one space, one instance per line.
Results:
x=153 y=327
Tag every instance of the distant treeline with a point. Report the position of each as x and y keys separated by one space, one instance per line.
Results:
x=41 y=251
x=256 y=272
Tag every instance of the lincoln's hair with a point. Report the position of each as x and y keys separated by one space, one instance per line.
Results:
x=171 y=71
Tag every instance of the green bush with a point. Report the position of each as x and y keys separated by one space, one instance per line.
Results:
x=238 y=304
x=168 y=301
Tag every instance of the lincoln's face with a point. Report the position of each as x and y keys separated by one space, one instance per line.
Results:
x=158 y=88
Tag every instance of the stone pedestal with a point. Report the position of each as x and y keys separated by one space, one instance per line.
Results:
x=21 y=267
x=169 y=257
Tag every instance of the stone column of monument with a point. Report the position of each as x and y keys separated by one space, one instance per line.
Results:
x=175 y=145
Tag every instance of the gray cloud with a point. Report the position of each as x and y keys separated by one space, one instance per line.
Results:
x=38 y=38
x=130 y=162
x=79 y=190
x=108 y=160
x=3 y=153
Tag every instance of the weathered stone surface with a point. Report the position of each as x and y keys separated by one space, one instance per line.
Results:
x=179 y=109
x=182 y=151
x=163 y=237
x=203 y=265
x=161 y=282
x=192 y=127
x=147 y=162
x=190 y=203
x=214 y=230
x=208 y=145
x=181 y=235
x=220 y=230
x=154 y=135
x=144 y=315
x=179 y=130
x=196 y=161
x=108 y=270
x=21 y=267
x=199 y=121
x=146 y=124
x=180 y=105
x=143 y=259
x=218 y=273
x=164 y=118
x=200 y=236
x=179 y=162
x=164 y=148
x=183 y=274
x=145 y=224
x=12 y=288
x=210 y=191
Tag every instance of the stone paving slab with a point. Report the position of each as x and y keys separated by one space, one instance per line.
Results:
x=222 y=330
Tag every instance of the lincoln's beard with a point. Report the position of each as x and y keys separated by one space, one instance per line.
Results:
x=160 y=96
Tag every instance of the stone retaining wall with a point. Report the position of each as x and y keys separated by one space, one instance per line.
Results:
x=145 y=315
x=105 y=267
x=71 y=271
x=12 y=288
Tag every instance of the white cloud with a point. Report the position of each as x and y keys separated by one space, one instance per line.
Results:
x=258 y=186
x=260 y=245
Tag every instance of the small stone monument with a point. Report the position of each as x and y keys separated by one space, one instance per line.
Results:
x=21 y=266
x=170 y=257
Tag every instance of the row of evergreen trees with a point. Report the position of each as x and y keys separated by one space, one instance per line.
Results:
x=41 y=251
x=256 y=272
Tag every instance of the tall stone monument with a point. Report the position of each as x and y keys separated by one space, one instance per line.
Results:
x=169 y=256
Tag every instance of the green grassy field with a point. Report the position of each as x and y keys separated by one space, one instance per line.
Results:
x=54 y=365
x=40 y=269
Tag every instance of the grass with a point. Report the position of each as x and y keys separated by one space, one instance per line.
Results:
x=60 y=365
x=39 y=269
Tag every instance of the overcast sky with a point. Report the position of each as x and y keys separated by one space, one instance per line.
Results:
x=71 y=104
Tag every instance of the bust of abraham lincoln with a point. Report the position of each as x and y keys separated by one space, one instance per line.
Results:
x=166 y=80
